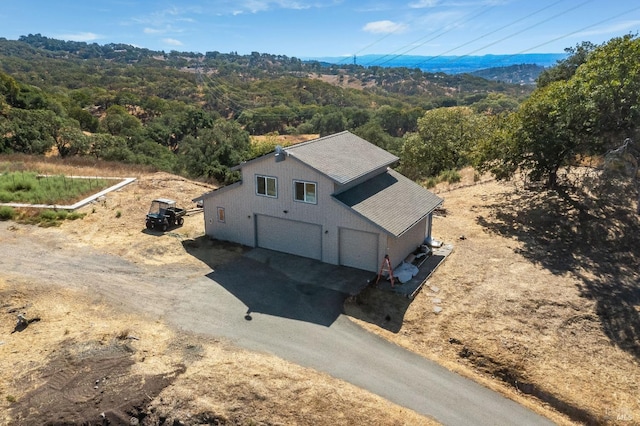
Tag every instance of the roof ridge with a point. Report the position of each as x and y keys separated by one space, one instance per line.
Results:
x=315 y=140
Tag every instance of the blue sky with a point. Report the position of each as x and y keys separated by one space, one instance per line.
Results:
x=315 y=28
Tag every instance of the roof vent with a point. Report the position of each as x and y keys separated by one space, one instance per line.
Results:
x=280 y=154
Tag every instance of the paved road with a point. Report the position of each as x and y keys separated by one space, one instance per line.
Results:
x=264 y=310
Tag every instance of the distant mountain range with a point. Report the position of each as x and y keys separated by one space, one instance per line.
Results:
x=446 y=64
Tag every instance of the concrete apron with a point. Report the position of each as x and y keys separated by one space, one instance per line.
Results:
x=343 y=279
x=349 y=281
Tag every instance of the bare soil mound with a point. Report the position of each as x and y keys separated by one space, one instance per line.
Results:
x=91 y=383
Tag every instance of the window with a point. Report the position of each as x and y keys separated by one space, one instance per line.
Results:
x=305 y=191
x=221 y=214
x=267 y=186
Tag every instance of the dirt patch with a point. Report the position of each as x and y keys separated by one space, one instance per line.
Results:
x=343 y=80
x=88 y=383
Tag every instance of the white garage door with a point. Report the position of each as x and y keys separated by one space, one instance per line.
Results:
x=289 y=236
x=359 y=249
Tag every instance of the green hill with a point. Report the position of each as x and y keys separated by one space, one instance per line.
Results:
x=124 y=103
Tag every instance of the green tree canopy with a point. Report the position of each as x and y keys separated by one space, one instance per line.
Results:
x=30 y=131
x=591 y=104
x=119 y=122
x=544 y=140
x=444 y=140
x=566 y=68
x=211 y=154
x=608 y=85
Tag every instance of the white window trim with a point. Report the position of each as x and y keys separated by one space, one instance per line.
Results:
x=305 y=182
x=275 y=179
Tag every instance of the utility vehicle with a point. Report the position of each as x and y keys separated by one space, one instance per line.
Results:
x=164 y=213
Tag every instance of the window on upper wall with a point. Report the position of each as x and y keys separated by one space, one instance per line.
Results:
x=267 y=186
x=304 y=192
x=221 y=214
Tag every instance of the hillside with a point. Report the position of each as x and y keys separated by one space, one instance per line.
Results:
x=404 y=80
x=507 y=319
x=514 y=74
x=450 y=64
x=193 y=114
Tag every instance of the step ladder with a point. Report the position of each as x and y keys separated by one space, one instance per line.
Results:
x=386 y=267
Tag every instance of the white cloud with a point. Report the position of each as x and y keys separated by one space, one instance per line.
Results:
x=421 y=4
x=153 y=31
x=383 y=27
x=172 y=41
x=78 y=37
x=618 y=27
x=237 y=7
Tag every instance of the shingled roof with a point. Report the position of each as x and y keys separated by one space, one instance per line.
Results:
x=391 y=201
x=334 y=156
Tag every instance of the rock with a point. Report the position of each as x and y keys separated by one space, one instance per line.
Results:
x=436 y=300
x=465 y=352
x=437 y=309
x=434 y=289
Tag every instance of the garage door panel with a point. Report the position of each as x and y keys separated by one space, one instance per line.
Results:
x=289 y=236
x=358 y=249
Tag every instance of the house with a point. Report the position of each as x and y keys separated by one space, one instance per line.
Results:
x=334 y=199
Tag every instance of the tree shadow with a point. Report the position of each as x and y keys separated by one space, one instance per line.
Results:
x=590 y=231
x=379 y=307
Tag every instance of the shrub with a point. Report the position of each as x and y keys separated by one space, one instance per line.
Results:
x=450 y=176
x=75 y=215
x=48 y=215
x=7 y=213
x=20 y=186
x=431 y=182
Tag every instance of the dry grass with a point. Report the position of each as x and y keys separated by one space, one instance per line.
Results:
x=219 y=381
x=549 y=310
x=285 y=139
x=527 y=309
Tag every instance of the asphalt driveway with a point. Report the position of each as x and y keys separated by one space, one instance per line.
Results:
x=269 y=311
x=263 y=309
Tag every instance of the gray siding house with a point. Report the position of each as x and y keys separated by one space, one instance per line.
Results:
x=334 y=199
